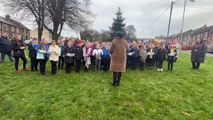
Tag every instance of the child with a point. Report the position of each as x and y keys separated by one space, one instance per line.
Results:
x=105 y=59
x=142 y=53
x=69 y=53
x=150 y=56
x=97 y=53
x=160 y=57
x=78 y=56
x=32 y=54
x=54 y=52
x=171 y=56
x=61 y=57
x=87 y=53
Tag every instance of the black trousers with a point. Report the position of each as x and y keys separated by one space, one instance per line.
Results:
x=116 y=78
x=17 y=62
x=68 y=67
x=77 y=65
x=134 y=61
x=195 y=65
x=160 y=64
x=142 y=64
x=53 y=67
x=170 y=65
x=150 y=63
x=43 y=66
x=61 y=63
x=105 y=63
x=34 y=64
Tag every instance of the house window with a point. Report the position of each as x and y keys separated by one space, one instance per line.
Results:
x=12 y=29
x=17 y=30
x=5 y=27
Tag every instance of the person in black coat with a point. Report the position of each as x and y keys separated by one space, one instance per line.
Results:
x=69 y=53
x=198 y=54
x=5 y=48
x=78 y=56
x=150 y=56
x=171 y=56
x=160 y=57
x=33 y=46
x=18 y=48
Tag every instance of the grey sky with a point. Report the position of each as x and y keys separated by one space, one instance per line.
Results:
x=142 y=13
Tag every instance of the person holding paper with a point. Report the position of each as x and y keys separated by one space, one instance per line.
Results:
x=172 y=56
x=69 y=53
x=18 y=48
x=42 y=55
x=54 y=52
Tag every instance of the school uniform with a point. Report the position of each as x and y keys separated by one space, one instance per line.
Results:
x=42 y=57
x=61 y=58
x=142 y=53
x=160 y=57
x=18 y=48
x=78 y=58
x=69 y=53
x=106 y=60
x=150 y=58
x=171 y=58
x=97 y=53
x=134 y=58
x=54 y=52
x=32 y=54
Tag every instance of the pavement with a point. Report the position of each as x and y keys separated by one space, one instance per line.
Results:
x=189 y=52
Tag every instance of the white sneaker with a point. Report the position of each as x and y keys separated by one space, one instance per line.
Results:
x=158 y=69
x=161 y=70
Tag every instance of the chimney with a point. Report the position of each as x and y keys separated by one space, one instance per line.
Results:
x=7 y=16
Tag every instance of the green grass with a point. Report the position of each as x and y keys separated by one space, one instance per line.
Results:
x=183 y=94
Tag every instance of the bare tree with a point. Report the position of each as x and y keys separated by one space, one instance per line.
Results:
x=52 y=14
x=29 y=9
x=73 y=13
x=130 y=32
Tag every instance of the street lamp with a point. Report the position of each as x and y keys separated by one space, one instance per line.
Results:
x=170 y=18
x=183 y=20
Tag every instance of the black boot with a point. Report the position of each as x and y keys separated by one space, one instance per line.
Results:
x=115 y=75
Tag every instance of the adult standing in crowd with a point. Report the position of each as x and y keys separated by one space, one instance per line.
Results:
x=198 y=54
x=69 y=53
x=32 y=54
x=5 y=48
x=18 y=48
x=119 y=50
x=42 y=55
x=54 y=52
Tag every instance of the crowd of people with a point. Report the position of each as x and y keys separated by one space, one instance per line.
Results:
x=115 y=56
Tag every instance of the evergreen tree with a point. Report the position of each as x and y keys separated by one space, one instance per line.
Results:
x=118 y=25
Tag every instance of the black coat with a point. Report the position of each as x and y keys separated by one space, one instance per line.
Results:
x=5 y=45
x=172 y=58
x=71 y=50
x=153 y=56
x=78 y=53
x=16 y=47
x=198 y=53
x=161 y=54
x=32 y=51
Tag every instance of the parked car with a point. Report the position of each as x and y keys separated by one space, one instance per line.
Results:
x=209 y=48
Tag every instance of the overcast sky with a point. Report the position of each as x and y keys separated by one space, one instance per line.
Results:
x=141 y=13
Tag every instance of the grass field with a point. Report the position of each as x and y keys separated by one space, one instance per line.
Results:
x=183 y=94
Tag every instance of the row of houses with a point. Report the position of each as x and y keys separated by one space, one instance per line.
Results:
x=189 y=37
x=13 y=27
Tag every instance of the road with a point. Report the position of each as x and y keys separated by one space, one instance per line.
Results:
x=189 y=52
